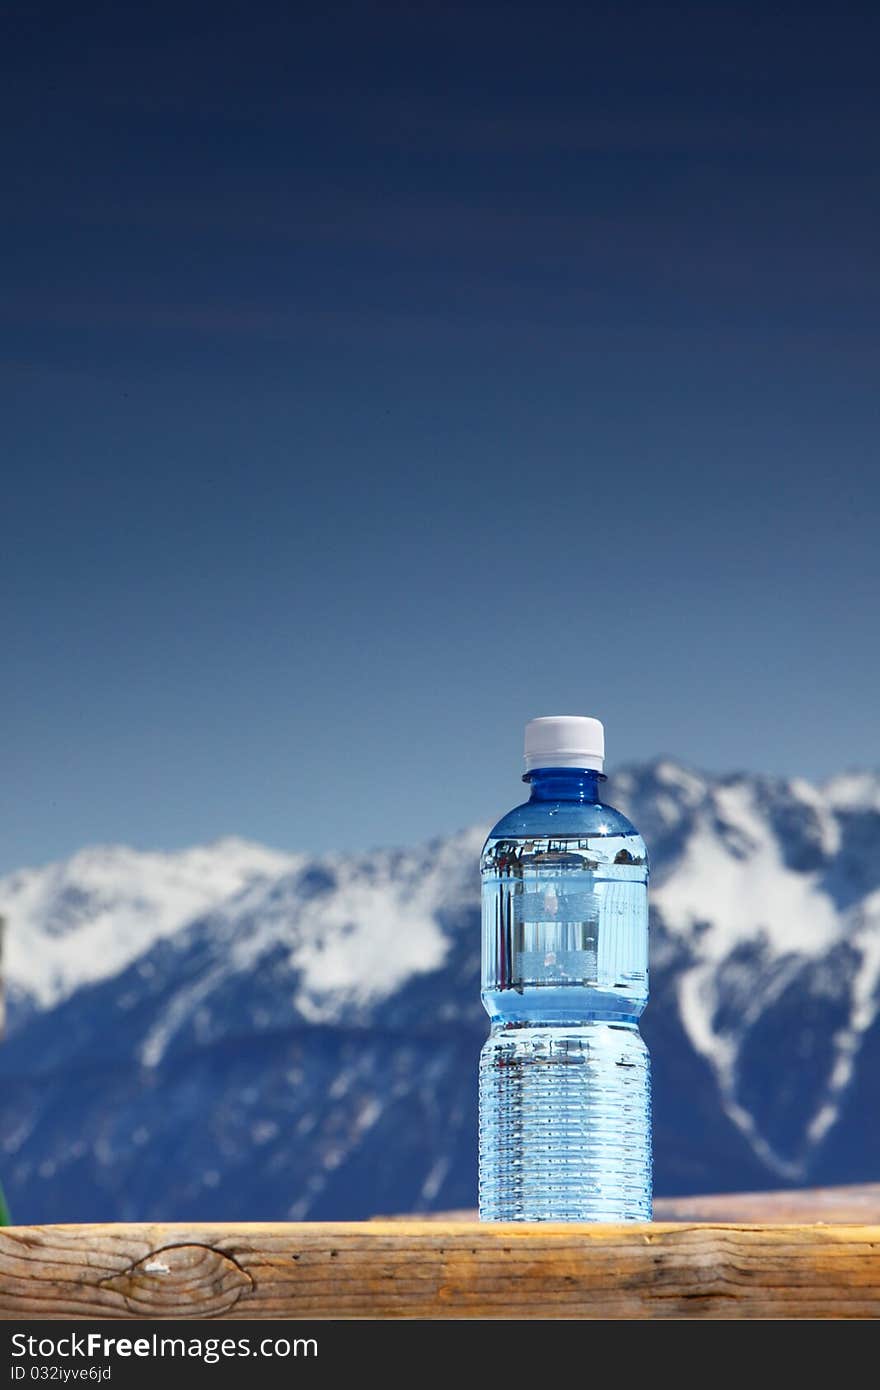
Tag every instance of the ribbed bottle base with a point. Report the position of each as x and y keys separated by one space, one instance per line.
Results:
x=565 y=1125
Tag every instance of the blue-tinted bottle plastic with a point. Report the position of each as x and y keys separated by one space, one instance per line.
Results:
x=565 y=1099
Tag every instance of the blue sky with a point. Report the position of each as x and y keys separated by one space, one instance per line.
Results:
x=375 y=378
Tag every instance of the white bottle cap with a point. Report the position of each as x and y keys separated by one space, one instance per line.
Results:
x=565 y=740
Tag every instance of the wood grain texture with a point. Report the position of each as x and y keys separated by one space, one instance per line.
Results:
x=431 y=1270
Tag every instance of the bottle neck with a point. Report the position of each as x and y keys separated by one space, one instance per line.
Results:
x=564 y=784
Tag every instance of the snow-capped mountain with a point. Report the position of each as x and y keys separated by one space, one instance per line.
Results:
x=233 y=1032
x=88 y=917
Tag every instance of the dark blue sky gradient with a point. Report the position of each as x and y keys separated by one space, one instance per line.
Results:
x=377 y=377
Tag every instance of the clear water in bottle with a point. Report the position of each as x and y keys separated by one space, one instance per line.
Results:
x=565 y=1110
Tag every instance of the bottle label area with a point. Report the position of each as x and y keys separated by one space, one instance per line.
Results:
x=557 y=918
x=555 y=936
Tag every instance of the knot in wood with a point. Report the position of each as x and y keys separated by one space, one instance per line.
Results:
x=181 y=1281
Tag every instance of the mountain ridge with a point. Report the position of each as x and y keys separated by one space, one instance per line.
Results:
x=318 y=1016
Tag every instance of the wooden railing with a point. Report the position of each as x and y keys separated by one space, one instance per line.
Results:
x=441 y=1269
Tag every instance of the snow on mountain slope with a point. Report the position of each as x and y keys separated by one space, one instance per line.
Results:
x=853 y=791
x=85 y=918
x=347 y=932
x=754 y=878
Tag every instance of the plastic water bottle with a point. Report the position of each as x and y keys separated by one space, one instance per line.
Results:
x=565 y=1095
